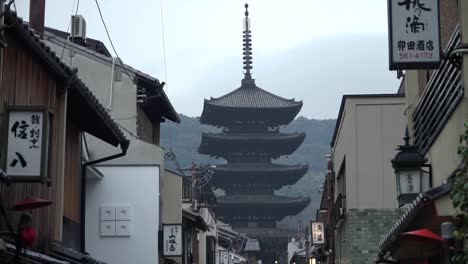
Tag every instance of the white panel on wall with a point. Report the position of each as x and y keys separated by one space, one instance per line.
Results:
x=107 y=228
x=107 y=213
x=123 y=228
x=123 y=213
x=137 y=235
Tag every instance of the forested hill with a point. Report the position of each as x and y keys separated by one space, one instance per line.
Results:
x=184 y=139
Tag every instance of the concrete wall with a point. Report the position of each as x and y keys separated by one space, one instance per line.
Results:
x=95 y=71
x=172 y=198
x=118 y=188
x=370 y=130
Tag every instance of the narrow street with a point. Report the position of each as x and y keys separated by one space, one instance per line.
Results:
x=230 y=132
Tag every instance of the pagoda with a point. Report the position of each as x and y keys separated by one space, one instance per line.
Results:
x=250 y=138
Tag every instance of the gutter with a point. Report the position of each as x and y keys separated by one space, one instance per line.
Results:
x=124 y=147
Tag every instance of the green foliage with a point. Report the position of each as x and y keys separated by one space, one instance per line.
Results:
x=459 y=196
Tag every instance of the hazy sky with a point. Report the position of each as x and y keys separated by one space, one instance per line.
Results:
x=312 y=50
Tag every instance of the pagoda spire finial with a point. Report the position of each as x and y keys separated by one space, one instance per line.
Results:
x=247 y=46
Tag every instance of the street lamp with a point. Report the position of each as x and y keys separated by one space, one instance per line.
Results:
x=413 y=174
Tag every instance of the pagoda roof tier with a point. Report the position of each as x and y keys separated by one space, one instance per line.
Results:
x=276 y=175
x=222 y=144
x=249 y=104
x=241 y=206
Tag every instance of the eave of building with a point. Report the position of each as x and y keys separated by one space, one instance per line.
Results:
x=217 y=115
x=262 y=200
x=277 y=145
x=83 y=99
x=135 y=74
x=261 y=173
x=412 y=212
x=195 y=219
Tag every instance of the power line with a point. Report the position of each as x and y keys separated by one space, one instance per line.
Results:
x=163 y=43
x=68 y=27
x=72 y=46
x=112 y=44
x=164 y=63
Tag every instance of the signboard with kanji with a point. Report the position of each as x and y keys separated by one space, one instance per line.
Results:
x=318 y=233
x=172 y=240
x=27 y=143
x=414 y=34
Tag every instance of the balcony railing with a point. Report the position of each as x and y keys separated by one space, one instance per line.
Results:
x=440 y=98
x=339 y=210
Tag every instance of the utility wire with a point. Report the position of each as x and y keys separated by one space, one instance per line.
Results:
x=68 y=28
x=72 y=46
x=163 y=43
x=112 y=44
x=164 y=63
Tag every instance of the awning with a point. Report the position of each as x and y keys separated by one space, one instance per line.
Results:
x=194 y=219
x=422 y=213
x=423 y=235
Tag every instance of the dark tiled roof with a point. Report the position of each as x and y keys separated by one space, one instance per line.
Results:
x=92 y=44
x=96 y=48
x=29 y=256
x=275 y=175
x=255 y=136
x=195 y=218
x=254 y=167
x=261 y=200
x=251 y=96
x=113 y=135
x=276 y=144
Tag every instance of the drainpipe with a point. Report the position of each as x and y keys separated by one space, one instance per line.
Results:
x=124 y=147
x=109 y=107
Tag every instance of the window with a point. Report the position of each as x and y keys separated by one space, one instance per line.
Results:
x=186 y=189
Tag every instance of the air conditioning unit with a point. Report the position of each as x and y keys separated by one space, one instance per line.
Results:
x=78 y=27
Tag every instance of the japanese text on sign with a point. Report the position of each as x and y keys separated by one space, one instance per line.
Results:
x=25 y=143
x=414 y=34
x=317 y=233
x=172 y=240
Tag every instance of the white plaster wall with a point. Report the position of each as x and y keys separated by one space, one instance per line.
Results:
x=172 y=198
x=137 y=186
x=95 y=72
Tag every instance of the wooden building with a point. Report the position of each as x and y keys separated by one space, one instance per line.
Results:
x=34 y=76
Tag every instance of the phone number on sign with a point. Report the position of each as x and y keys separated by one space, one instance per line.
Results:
x=415 y=55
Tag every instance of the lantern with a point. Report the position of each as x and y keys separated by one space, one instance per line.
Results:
x=413 y=174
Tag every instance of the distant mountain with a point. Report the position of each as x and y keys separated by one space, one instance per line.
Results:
x=184 y=138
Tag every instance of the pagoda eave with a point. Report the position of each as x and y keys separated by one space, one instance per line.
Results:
x=270 y=174
x=222 y=144
x=229 y=116
x=260 y=205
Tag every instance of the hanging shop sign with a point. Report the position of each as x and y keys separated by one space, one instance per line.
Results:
x=318 y=234
x=172 y=240
x=414 y=34
x=26 y=148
